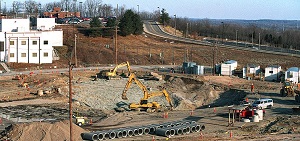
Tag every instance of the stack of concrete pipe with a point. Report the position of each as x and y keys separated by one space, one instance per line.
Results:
x=164 y=129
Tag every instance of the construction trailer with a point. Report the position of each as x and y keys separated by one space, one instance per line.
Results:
x=228 y=67
x=273 y=73
x=292 y=75
x=252 y=72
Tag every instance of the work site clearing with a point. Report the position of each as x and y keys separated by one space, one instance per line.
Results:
x=204 y=99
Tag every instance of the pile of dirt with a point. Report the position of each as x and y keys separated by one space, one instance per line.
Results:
x=189 y=93
x=42 y=131
x=283 y=125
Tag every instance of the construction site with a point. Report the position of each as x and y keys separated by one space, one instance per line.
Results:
x=142 y=98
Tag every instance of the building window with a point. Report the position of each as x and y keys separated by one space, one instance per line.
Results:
x=46 y=42
x=34 y=54
x=45 y=54
x=34 y=42
x=23 y=54
x=23 y=42
x=12 y=55
x=11 y=43
x=1 y=46
x=271 y=72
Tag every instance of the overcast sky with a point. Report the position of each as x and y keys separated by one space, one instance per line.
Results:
x=220 y=9
x=213 y=9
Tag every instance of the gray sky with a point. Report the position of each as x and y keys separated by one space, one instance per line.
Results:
x=212 y=9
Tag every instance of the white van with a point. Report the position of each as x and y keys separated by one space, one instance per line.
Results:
x=263 y=103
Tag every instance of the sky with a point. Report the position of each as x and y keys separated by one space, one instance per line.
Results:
x=220 y=9
x=213 y=9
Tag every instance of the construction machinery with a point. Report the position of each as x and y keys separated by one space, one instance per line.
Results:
x=144 y=104
x=112 y=74
x=287 y=89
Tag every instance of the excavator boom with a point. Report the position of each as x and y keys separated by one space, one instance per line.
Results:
x=113 y=72
x=144 y=101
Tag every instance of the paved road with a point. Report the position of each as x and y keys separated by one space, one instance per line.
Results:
x=152 y=28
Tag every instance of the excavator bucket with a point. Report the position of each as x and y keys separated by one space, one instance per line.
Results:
x=124 y=97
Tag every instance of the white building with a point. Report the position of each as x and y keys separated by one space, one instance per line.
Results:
x=292 y=74
x=21 y=45
x=251 y=69
x=272 y=73
x=228 y=67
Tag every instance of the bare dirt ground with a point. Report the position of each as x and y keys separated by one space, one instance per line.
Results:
x=97 y=99
x=198 y=93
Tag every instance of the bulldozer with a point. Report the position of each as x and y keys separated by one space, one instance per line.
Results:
x=144 y=105
x=112 y=73
x=287 y=89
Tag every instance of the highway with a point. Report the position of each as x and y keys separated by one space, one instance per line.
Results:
x=152 y=28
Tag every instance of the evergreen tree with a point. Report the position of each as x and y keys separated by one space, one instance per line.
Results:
x=130 y=23
x=95 y=22
x=164 y=18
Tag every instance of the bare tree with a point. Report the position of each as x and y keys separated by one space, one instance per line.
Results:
x=91 y=7
x=31 y=6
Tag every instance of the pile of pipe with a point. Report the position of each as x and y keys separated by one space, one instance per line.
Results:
x=166 y=129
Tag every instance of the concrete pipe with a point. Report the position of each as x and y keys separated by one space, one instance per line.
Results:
x=184 y=130
x=141 y=131
x=163 y=132
x=193 y=128
x=188 y=130
x=130 y=133
x=89 y=136
x=119 y=133
x=112 y=134
x=146 y=130
x=101 y=135
x=178 y=131
x=136 y=132
x=106 y=136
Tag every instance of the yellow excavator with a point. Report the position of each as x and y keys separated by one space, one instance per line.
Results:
x=287 y=89
x=144 y=104
x=112 y=74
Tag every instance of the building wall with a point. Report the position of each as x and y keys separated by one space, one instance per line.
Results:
x=30 y=47
x=14 y=25
x=272 y=73
x=227 y=69
x=45 y=23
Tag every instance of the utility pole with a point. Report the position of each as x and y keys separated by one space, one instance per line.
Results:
x=75 y=47
x=236 y=36
x=175 y=24
x=222 y=31
x=116 y=47
x=259 y=40
x=252 y=39
x=70 y=99
x=187 y=27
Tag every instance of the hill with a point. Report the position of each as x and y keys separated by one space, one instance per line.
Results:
x=148 y=50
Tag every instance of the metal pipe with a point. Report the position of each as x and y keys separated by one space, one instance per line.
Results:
x=178 y=131
x=89 y=136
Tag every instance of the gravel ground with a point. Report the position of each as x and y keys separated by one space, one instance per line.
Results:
x=106 y=94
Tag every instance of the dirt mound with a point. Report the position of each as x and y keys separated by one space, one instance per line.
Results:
x=42 y=131
x=189 y=93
